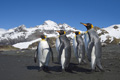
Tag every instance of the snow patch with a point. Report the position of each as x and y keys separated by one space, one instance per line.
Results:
x=24 y=45
x=2 y=31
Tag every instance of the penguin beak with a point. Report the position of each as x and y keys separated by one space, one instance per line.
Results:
x=58 y=31
x=83 y=24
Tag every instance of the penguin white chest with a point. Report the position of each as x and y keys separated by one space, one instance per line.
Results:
x=93 y=57
x=45 y=48
x=43 y=51
x=63 y=59
x=57 y=44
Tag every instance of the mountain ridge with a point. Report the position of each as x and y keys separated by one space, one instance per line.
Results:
x=21 y=34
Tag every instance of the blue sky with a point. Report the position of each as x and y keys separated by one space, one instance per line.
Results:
x=101 y=13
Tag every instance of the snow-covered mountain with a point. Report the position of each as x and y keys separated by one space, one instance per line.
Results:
x=2 y=31
x=21 y=37
x=110 y=34
x=23 y=34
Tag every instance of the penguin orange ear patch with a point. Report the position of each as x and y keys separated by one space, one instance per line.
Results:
x=91 y=26
x=64 y=32
x=79 y=32
x=45 y=37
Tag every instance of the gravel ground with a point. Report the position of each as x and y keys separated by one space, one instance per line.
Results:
x=19 y=65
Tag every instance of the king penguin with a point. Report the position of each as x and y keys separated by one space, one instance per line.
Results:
x=57 y=46
x=79 y=47
x=43 y=54
x=64 y=50
x=94 y=52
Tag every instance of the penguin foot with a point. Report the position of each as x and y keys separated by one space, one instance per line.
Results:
x=68 y=70
x=45 y=68
x=102 y=70
x=63 y=71
x=92 y=71
x=84 y=62
x=40 y=69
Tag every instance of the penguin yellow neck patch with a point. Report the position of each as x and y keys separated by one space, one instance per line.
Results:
x=86 y=32
x=43 y=40
x=75 y=35
x=91 y=26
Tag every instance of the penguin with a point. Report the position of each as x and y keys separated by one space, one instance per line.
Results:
x=79 y=47
x=43 y=54
x=86 y=41
x=57 y=47
x=64 y=51
x=94 y=48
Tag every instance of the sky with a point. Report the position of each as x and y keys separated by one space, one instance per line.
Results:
x=101 y=13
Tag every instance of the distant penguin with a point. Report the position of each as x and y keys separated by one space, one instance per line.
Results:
x=79 y=47
x=43 y=54
x=94 y=48
x=64 y=51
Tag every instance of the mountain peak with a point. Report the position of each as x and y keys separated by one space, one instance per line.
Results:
x=2 y=31
x=50 y=23
x=21 y=28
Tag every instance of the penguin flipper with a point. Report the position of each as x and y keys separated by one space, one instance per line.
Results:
x=90 y=46
x=67 y=56
x=98 y=54
x=61 y=46
x=50 y=49
x=79 y=50
x=51 y=54
x=35 y=55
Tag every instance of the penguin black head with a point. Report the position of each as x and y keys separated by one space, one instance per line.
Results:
x=43 y=36
x=77 y=33
x=61 y=32
x=88 y=25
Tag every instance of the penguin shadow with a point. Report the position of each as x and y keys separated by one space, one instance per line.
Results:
x=55 y=68
x=50 y=68
x=37 y=68
x=78 y=68
x=33 y=67
x=73 y=68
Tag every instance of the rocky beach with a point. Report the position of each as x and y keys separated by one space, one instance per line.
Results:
x=19 y=65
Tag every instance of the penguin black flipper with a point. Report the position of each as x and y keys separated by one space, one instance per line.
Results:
x=67 y=56
x=51 y=53
x=50 y=50
x=35 y=55
x=98 y=61
x=61 y=47
x=78 y=50
x=90 y=46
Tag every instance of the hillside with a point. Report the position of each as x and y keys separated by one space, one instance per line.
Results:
x=21 y=35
